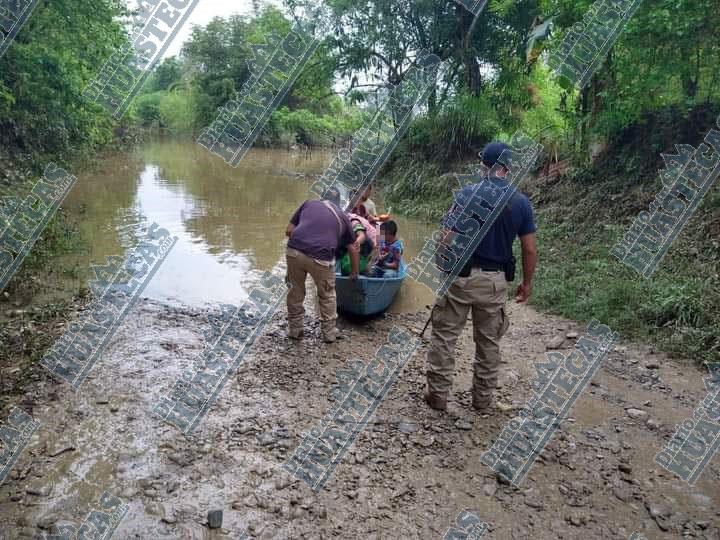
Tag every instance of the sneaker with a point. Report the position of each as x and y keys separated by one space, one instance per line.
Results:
x=439 y=403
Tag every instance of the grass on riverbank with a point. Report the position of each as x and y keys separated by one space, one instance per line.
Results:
x=678 y=308
x=27 y=325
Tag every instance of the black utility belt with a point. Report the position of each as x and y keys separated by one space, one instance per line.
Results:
x=486 y=268
x=508 y=269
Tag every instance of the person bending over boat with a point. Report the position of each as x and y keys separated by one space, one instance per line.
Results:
x=391 y=250
x=316 y=232
x=366 y=235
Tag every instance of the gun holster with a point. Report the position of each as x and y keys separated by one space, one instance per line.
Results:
x=465 y=271
x=510 y=270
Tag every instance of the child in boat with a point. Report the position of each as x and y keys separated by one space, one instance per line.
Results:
x=391 y=250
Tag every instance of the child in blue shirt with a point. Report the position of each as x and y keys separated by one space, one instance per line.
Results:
x=391 y=250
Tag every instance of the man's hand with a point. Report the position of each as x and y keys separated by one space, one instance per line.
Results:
x=354 y=276
x=523 y=293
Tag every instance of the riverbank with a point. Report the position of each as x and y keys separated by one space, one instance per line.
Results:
x=677 y=308
x=580 y=216
x=33 y=304
x=408 y=475
x=411 y=471
x=230 y=223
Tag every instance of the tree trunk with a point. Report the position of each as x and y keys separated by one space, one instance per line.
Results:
x=472 y=73
x=432 y=99
x=473 y=79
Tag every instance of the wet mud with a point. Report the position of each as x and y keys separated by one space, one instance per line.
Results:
x=409 y=473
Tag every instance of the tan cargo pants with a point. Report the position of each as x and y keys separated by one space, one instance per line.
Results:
x=299 y=266
x=485 y=293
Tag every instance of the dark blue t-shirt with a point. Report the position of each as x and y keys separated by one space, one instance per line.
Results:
x=474 y=204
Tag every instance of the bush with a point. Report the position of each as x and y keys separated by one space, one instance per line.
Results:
x=177 y=112
x=147 y=108
x=455 y=132
x=305 y=127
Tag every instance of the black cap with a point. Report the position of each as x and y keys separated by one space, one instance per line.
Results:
x=492 y=152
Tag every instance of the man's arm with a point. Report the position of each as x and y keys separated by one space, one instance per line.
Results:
x=352 y=241
x=529 y=261
x=354 y=252
x=294 y=221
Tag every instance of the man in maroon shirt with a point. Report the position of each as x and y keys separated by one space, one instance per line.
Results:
x=316 y=231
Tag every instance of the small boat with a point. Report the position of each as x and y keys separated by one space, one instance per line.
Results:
x=367 y=296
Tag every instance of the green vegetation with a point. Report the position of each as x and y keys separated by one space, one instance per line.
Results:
x=677 y=308
x=581 y=216
x=183 y=95
x=43 y=116
x=62 y=45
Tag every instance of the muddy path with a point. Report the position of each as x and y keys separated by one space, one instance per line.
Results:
x=407 y=476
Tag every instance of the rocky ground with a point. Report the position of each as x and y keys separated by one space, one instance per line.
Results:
x=409 y=473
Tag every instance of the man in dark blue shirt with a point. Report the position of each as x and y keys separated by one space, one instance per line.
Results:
x=481 y=285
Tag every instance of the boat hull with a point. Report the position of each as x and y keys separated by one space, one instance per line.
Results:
x=367 y=296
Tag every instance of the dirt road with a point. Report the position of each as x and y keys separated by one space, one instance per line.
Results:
x=409 y=473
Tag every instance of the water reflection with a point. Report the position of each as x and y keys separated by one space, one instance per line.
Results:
x=230 y=222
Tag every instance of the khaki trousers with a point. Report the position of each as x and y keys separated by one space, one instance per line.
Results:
x=299 y=266
x=485 y=293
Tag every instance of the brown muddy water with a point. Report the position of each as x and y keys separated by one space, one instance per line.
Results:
x=230 y=222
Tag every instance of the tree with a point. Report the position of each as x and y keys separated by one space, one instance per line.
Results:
x=167 y=74
x=60 y=48
x=667 y=56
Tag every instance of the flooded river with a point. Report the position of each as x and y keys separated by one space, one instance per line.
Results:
x=230 y=222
